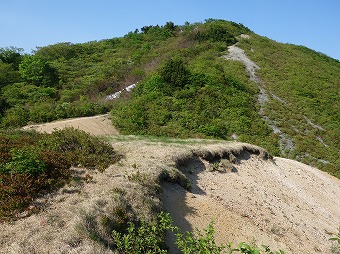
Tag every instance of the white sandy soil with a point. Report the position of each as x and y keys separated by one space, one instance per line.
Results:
x=281 y=203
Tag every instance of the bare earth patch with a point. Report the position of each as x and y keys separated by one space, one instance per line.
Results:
x=96 y=125
x=282 y=203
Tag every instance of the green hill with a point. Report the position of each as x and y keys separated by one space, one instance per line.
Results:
x=186 y=88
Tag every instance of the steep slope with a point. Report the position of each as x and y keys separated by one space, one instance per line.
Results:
x=283 y=203
x=290 y=104
x=279 y=202
x=303 y=98
x=237 y=54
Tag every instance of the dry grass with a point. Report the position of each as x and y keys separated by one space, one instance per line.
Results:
x=79 y=218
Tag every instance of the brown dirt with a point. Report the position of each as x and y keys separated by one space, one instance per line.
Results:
x=96 y=125
x=282 y=203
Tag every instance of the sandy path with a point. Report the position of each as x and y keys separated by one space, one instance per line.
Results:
x=96 y=125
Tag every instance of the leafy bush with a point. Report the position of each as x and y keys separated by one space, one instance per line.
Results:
x=188 y=243
x=80 y=148
x=220 y=31
x=146 y=238
x=15 y=117
x=31 y=163
x=24 y=161
x=16 y=193
x=36 y=71
x=174 y=73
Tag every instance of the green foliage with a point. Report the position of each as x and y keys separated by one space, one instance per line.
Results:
x=204 y=104
x=216 y=31
x=39 y=106
x=188 y=243
x=36 y=71
x=11 y=55
x=31 y=163
x=336 y=238
x=159 y=32
x=91 y=70
x=24 y=161
x=307 y=83
x=185 y=88
x=251 y=249
x=16 y=192
x=25 y=170
x=146 y=238
x=80 y=147
x=175 y=74
x=15 y=117
x=8 y=74
x=21 y=94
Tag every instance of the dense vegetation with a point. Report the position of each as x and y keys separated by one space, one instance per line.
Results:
x=307 y=83
x=31 y=163
x=186 y=89
x=176 y=102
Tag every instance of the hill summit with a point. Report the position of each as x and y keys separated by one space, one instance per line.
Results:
x=193 y=119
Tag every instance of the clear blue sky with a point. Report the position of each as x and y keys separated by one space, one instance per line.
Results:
x=30 y=23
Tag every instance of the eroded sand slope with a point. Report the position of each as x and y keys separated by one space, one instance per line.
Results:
x=282 y=203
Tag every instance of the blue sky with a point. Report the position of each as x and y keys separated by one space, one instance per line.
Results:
x=30 y=23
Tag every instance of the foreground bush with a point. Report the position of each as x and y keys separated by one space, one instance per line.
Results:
x=31 y=163
x=149 y=237
x=80 y=148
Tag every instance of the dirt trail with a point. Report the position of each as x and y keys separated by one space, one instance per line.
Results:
x=281 y=203
x=286 y=143
x=96 y=125
x=237 y=54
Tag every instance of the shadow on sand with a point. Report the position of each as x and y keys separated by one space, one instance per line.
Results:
x=174 y=197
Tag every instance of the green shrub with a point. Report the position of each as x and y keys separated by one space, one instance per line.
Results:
x=216 y=31
x=15 y=117
x=145 y=238
x=24 y=161
x=175 y=74
x=251 y=249
x=149 y=237
x=36 y=71
x=200 y=243
x=16 y=193
x=80 y=148
x=32 y=162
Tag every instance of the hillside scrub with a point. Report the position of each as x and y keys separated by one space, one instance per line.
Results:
x=307 y=83
x=185 y=87
x=31 y=163
x=177 y=102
